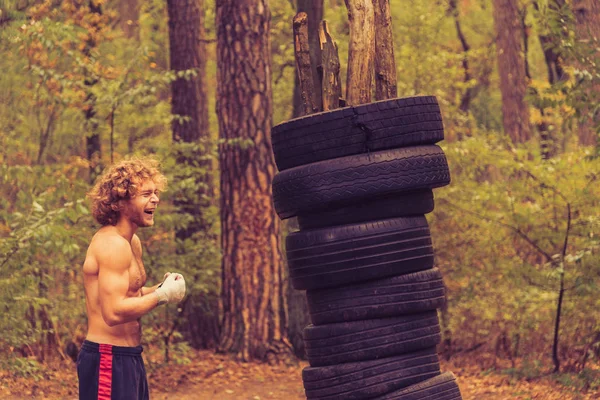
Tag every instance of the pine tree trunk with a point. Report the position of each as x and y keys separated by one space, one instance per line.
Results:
x=253 y=290
x=189 y=106
x=511 y=68
x=587 y=29
x=189 y=103
x=187 y=53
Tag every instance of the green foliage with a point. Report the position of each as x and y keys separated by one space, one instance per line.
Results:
x=499 y=231
x=531 y=369
x=44 y=226
x=587 y=380
x=23 y=367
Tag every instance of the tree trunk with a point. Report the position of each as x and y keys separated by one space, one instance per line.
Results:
x=253 y=291
x=45 y=134
x=129 y=15
x=361 y=51
x=330 y=67
x=187 y=52
x=314 y=13
x=550 y=45
x=93 y=146
x=511 y=68
x=561 y=294
x=297 y=307
x=554 y=65
x=304 y=65
x=386 y=85
x=465 y=101
x=189 y=105
x=587 y=29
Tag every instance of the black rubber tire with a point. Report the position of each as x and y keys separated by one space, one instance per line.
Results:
x=331 y=257
x=375 y=126
x=370 y=339
x=394 y=206
x=353 y=179
x=441 y=387
x=368 y=379
x=404 y=294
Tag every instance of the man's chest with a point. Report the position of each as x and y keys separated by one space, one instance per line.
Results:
x=137 y=274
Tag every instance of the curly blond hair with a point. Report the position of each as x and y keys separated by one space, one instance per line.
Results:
x=121 y=181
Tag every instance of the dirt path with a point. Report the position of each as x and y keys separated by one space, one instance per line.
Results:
x=208 y=376
x=261 y=382
x=289 y=388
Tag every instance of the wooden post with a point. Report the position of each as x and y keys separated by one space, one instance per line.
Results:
x=386 y=86
x=330 y=65
x=303 y=63
x=361 y=51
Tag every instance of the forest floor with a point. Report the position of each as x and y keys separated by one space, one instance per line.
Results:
x=213 y=376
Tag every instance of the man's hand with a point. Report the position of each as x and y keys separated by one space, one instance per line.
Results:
x=164 y=277
x=172 y=290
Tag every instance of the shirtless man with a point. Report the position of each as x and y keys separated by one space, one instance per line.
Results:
x=110 y=365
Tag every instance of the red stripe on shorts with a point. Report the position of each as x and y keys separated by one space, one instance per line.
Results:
x=105 y=375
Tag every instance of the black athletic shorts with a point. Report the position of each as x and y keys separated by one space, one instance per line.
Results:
x=108 y=372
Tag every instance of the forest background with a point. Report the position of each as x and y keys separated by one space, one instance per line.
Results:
x=86 y=83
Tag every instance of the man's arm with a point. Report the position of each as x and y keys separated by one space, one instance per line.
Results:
x=113 y=285
x=150 y=289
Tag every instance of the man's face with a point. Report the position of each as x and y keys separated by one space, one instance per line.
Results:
x=140 y=208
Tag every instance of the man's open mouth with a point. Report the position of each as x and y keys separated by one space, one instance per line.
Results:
x=150 y=212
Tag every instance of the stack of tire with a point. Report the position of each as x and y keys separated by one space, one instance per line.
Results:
x=359 y=180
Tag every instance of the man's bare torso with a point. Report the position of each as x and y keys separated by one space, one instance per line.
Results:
x=127 y=334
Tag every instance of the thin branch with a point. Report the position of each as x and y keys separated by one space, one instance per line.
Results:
x=9 y=256
x=564 y=251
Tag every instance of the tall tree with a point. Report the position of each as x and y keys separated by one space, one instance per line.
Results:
x=465 y=101
x=511 y=67
x=314 y=12
x=94 y=25
x=253 y=291
x=189 y=105
x=188 y=59
x=587 y=28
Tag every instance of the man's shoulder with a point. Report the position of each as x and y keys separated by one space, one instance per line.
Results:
x=108 y=243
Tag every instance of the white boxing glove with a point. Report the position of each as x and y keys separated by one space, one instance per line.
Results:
x=172 y=290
